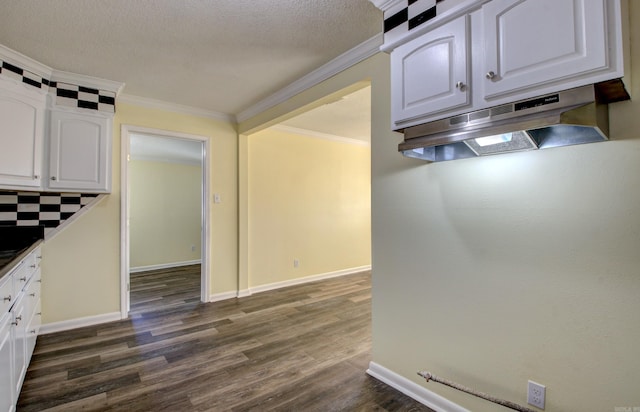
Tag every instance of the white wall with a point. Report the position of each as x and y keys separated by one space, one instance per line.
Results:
x=310 y=201
x=165 y=213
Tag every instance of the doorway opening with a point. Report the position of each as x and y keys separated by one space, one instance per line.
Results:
x=164 y=219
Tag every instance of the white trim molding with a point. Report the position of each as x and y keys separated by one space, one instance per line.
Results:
x=174 y=107
x=307 y=279
x=164 y=266
x=354 y=56
x=216 y=297
x=79 y=322
x=413 y=390
x=385 y=5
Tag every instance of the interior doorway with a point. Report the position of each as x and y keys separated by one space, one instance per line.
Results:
x=164 y=210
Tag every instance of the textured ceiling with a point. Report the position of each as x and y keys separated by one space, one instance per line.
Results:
x=218 y=55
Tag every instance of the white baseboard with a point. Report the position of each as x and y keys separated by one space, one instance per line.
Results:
x=79 y=322
x=222 y=296
x=307 y=279
x=277 y=285
x=413 y=390
x=164 y=266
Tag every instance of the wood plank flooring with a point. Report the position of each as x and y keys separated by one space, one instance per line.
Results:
x=156 y=289
x=302 y=348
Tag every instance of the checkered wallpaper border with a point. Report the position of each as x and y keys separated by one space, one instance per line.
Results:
x=68 y=95
x=34 y=208
x=399 y=21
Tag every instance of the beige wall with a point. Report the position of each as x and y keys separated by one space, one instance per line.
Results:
x=165 y=213
x=309 y=199
x=81 y=268
x=493 y=271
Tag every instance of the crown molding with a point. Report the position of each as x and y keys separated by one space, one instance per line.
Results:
x=319 y=135
x=173 y=107
x=385 y=5
x=87 y=81
x=25 y=62
x=357 y=54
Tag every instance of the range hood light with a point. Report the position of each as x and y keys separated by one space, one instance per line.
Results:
x=501 y=143
x=495 y=139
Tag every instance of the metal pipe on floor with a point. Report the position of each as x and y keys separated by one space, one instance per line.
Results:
x=430 y=377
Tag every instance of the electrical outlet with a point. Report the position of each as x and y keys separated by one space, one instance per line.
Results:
x=296 y=263
x=535 y=394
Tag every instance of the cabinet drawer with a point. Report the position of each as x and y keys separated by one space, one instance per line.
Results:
x=7 y=295
x=33 y=329
x=32 y=295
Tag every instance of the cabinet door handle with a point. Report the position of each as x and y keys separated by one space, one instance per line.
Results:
x=24 y=279
x=39 y=313
x=7 y=298
x=33 y=295
x=461 y=86
x=33 y=266
x=54 y=178
x=33 y=331
x=491 y=75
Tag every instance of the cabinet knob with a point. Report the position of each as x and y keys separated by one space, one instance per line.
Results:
x=490 y=75
x=36 y=177
x=54 y=178
x=7 y=298
x=461 y=86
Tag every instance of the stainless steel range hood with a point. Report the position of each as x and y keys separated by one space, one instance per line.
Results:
x=569 y=117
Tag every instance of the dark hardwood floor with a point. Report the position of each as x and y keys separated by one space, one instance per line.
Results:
x=302 y=348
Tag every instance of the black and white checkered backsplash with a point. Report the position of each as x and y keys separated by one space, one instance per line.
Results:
x=68 y=95
x=409 y=15
x=47 y=209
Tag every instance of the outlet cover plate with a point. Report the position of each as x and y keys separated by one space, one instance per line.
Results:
x=536 y=394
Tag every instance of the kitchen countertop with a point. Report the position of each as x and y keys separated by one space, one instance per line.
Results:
x=16 y=242
x=10 y=262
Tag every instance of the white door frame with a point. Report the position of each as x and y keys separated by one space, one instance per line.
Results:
x=126 y=131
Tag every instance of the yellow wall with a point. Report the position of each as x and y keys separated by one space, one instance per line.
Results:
x=309 y=199
x=493 y=271
x=81 y=268
x=165 y=213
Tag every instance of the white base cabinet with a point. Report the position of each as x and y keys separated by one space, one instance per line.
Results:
x=20 y=321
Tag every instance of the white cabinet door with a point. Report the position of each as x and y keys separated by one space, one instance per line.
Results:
x=7 y=400
x=18 y=326
x=528 y=44
x=430 y=73
x=79 y=152
x=21 y=136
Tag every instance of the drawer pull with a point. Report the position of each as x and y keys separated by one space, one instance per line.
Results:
x=33 y=266
x=18 y=318
x=39 y=257
x=24 y=279
x=33 y=295
x=39 y=313
x=39 y=280
x=33 y=331
x=7 y=298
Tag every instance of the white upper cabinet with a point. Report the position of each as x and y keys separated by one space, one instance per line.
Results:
x=79 y=152
x=477 y=54
x=22 y=115
x=533 y=43
x=430 y=73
